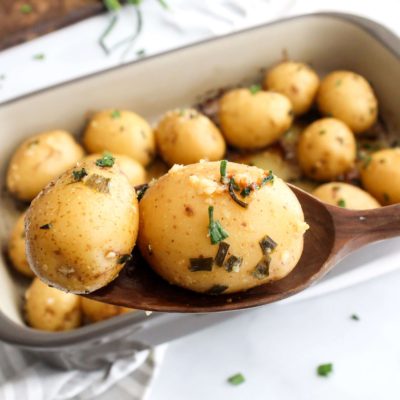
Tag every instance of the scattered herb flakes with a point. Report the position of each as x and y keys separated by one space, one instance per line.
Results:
x=386 y=198
x=201 y=264
x=261 y=271
x=124 y=258
x=216 y=289
x=115 y=114
x=46 y=226
x=341 y=203
x=222 y=170
x=267 y=179
x=39 y=57
x=99 y=183
x=221 y=253
x=267 y=244
x=141 y=53
x=231 y=189
x=366 y=161
x=134 y=2
x=236 y=379
x=254 y=89
x=246 y=191
x=106 y=161
x=26 y=8
x=140 y=193
x=79 y=175
x=355 y=317
x=325 y=369
x=322 y=131
x=112 y=5
x=233 y=263
x=215 y=229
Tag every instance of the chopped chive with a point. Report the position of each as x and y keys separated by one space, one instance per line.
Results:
x=115 y=114
x=216 y=289
x=140 y=193
x=341 y=203
x=267 y=244
x=355 y=317
x=367 y=160
x=246 y=191
x=254 y=89
x=79 y=175
x=221 y=253
x=201 y=264
x=112 y=5
x=46 y=226
x=99 y=183
x=222 y=169
x=26 y=8
x=268 y=178
x=164 y=4
x=386 y=198
x=236 y=379
x=261 y=270
x=39 y=57
x=233 y=195
x=325 y=369
x=107 y=160
x=215 y=230
x=124 y=258
x=141 y=53
x=233 y=264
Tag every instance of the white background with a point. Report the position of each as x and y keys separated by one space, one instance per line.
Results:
x=277 y=347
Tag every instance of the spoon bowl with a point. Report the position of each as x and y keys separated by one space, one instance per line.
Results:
x=334 y=233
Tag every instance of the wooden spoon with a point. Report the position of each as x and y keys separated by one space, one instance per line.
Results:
x=334 y=233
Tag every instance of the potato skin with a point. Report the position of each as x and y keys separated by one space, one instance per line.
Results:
x=95 y=311
x=254 y=120
x=50 y=309
x=16 y=248
x=77 y=231
x=346 y=196
x=349 y=97
x=174 y=226
x=40 y=159
x=120 y=132
x=131 y=168
x=185 y=137
x=297 y=81
x=381 y=176
x=326 y=149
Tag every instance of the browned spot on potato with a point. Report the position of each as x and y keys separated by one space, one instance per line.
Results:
x=189 y=210
x=294 y=89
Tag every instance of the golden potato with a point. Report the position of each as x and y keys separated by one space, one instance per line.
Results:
x=297 y=81
x=252 y=118
x=96 y=311
x=50 y=309
x=185 y=137
x=16 y=248
x=195 y=235
x=346 y=196
x=131 y=168
x=349 y=97
x=40 y=159
x=81 y=228
x=380 y=175
x=326 y=149
x=120 y=132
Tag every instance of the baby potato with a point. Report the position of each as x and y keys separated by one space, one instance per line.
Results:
x=326 y=149
x=82 y=227
x=50 y=309
x=195 y=235
x=380 y=176
x=40 y=159
x=16 y=248
x=349 y=97
x=96 y=311
x=252 y=118
x=297 y=81
x=131 y=168
x=185 y=137
x=346 y=196
x=120 y=132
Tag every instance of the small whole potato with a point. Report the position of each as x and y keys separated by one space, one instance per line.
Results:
x=346 y=196
x=131 y=168
x=96 y=311
x=349 y=97
x=195 y=235
x=120 y=132
x=82 y=227
x=380 y=175
x=40 y=159
x=253 y=118
x=326 y=149
x=16 y=248
x=185 y=137
x=297 y=81
x=50 y=309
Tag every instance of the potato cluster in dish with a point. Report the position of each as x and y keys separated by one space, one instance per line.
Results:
x=202 y=223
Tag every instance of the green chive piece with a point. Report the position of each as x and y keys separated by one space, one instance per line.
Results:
x=215 y=229
x=341 y=203
x=115 y=114
x=26 y=8
x=386 y=198
x=164 y=4
x=236 y=379
x=355 y=317
x=141 y=53
x=134 y=2
x=216 y=289
x=325 y=369
x=39 y=57
x=254 y=89
x=106 y=161
x=222 y=170
x=79 y=175
x=124 y=258
x=112 y=5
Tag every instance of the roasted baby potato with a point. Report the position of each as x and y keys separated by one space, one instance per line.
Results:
x=40 y=159
x=120 y=132
x=297 y=81
x=50 y=309
x=212 y=233
x=82 y=227
x=349 y=97
x=326 y=149
x=95 y=311
x=346 y=196
x=185 y=137
x=253 y=118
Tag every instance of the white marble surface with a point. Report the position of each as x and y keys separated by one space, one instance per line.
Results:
x=277 y=347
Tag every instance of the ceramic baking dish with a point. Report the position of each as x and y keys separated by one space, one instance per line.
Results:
x=150 y=87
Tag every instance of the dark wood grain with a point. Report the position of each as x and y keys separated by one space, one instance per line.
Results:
x=334 y=233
